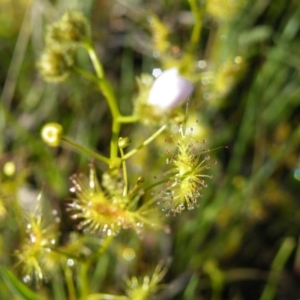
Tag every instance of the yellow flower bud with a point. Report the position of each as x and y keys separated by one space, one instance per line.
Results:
x=55 y=64
x=9 y=168
x=51 y=134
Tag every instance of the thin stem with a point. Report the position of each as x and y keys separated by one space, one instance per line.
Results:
x=101 y=250
x=85 y=74
x=118 y=119
x=86 y=151
x=146 y=142
x=84 y=268
x=125 y=178
x=127 y=119
x=70 y=283
x=156 y=184
x=116 y=127
x=83 y=280
x=108 y=93
x=95 y=61
x=195 y=36
x=197 y=13
x=103 y=83
x=283 y=254
x=68 y=255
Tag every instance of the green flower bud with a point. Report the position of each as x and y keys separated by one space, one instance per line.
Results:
x=72 y=29
x=123 y=142
x=55 y=64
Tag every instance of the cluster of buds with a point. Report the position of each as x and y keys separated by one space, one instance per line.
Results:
x=71 y=30
x=62 y=39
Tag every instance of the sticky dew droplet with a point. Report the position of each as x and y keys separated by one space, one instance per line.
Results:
x=32 y=238
x=140 y=224
x=70 y=262
x=27 y=279
x=169 y=193
x=201 y=64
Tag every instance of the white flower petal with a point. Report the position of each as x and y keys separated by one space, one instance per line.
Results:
x=169 y=90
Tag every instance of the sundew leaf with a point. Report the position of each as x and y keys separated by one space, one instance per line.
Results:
x=19 y=289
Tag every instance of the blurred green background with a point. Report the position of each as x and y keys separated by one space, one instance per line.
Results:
x=242 y=242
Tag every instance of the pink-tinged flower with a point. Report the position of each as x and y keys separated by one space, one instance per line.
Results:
x=169 y=90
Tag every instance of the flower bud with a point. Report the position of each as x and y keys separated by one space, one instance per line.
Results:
x=72 y=29
x=55 y=64
x=9 y=169
x=123 y=142
x=51 y=134
x=169 y=90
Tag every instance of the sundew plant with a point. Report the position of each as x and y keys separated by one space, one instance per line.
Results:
x=150 y=150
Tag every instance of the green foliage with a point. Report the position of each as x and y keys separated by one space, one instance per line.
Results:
x=123 y=230
x=19 y=289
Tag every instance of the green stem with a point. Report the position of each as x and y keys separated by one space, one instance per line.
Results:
x=283 y=254
x=157 y=183
x=95 y=61
x=67 y=255
x=107 y=91
x=103 y=83
x=197 y=13
x=127 y=119
x=125 y=178
x=101 y=250
x=109 y=95
x=83 y=281
x=86 y=151
x=146 y=142
x=216 y=277
x=85 y=74
x=70 y=283
x=84 y=268
x=116 y=127
x=195 y=36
